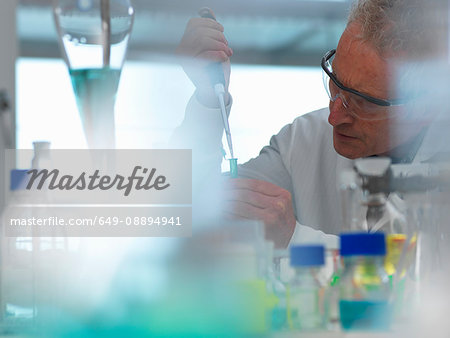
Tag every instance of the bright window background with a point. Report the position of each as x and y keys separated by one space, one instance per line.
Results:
x=151 y=102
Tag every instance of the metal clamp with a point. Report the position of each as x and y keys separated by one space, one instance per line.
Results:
x=4 y=101
x=5 y=119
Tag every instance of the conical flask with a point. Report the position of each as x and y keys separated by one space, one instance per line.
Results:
x=94 y=35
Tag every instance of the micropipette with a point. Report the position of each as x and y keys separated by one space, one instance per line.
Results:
x=106 y=31
x=218 y=81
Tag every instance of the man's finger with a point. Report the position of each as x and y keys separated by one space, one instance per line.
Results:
x=216 y=56
x=244 y=210
x=263 y=187
x=253 y=198
x=212 y=33
x=204 y=22
x=205 y=43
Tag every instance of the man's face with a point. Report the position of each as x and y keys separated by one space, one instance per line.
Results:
x=358 y=66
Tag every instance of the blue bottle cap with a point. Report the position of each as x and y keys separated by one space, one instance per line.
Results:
x=307 y=255
x=18 y=179
x=363 y=244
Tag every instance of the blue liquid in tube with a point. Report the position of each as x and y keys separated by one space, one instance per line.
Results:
x=233 y=167
x=365 y=315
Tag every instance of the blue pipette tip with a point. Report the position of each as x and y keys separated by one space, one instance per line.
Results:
x=233 y=167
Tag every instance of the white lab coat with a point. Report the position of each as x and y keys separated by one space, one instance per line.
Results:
x=301 y=159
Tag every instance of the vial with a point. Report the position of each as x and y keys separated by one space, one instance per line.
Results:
x=233 y=167
x=364 y=288
x=305 y=289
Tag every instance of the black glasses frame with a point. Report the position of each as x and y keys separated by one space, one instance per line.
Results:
x=380 y=102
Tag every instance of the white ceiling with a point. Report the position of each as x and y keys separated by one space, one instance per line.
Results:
x=259 y=31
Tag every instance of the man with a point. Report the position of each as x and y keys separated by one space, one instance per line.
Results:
x=293 y=184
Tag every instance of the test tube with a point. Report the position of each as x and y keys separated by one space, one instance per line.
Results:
x=233 y=167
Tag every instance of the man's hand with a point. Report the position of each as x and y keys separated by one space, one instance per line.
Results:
x=203 y=42
x=264 y=201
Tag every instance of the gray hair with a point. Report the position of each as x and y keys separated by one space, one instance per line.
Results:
x=415 y=27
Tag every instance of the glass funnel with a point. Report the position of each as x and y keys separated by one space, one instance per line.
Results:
x=93 y=35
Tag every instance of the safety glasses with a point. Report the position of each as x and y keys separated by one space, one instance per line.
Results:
x=359 y=104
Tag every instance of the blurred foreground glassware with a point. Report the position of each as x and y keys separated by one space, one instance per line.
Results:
x=364 y=285
x=305 y=290
x=94 y=35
